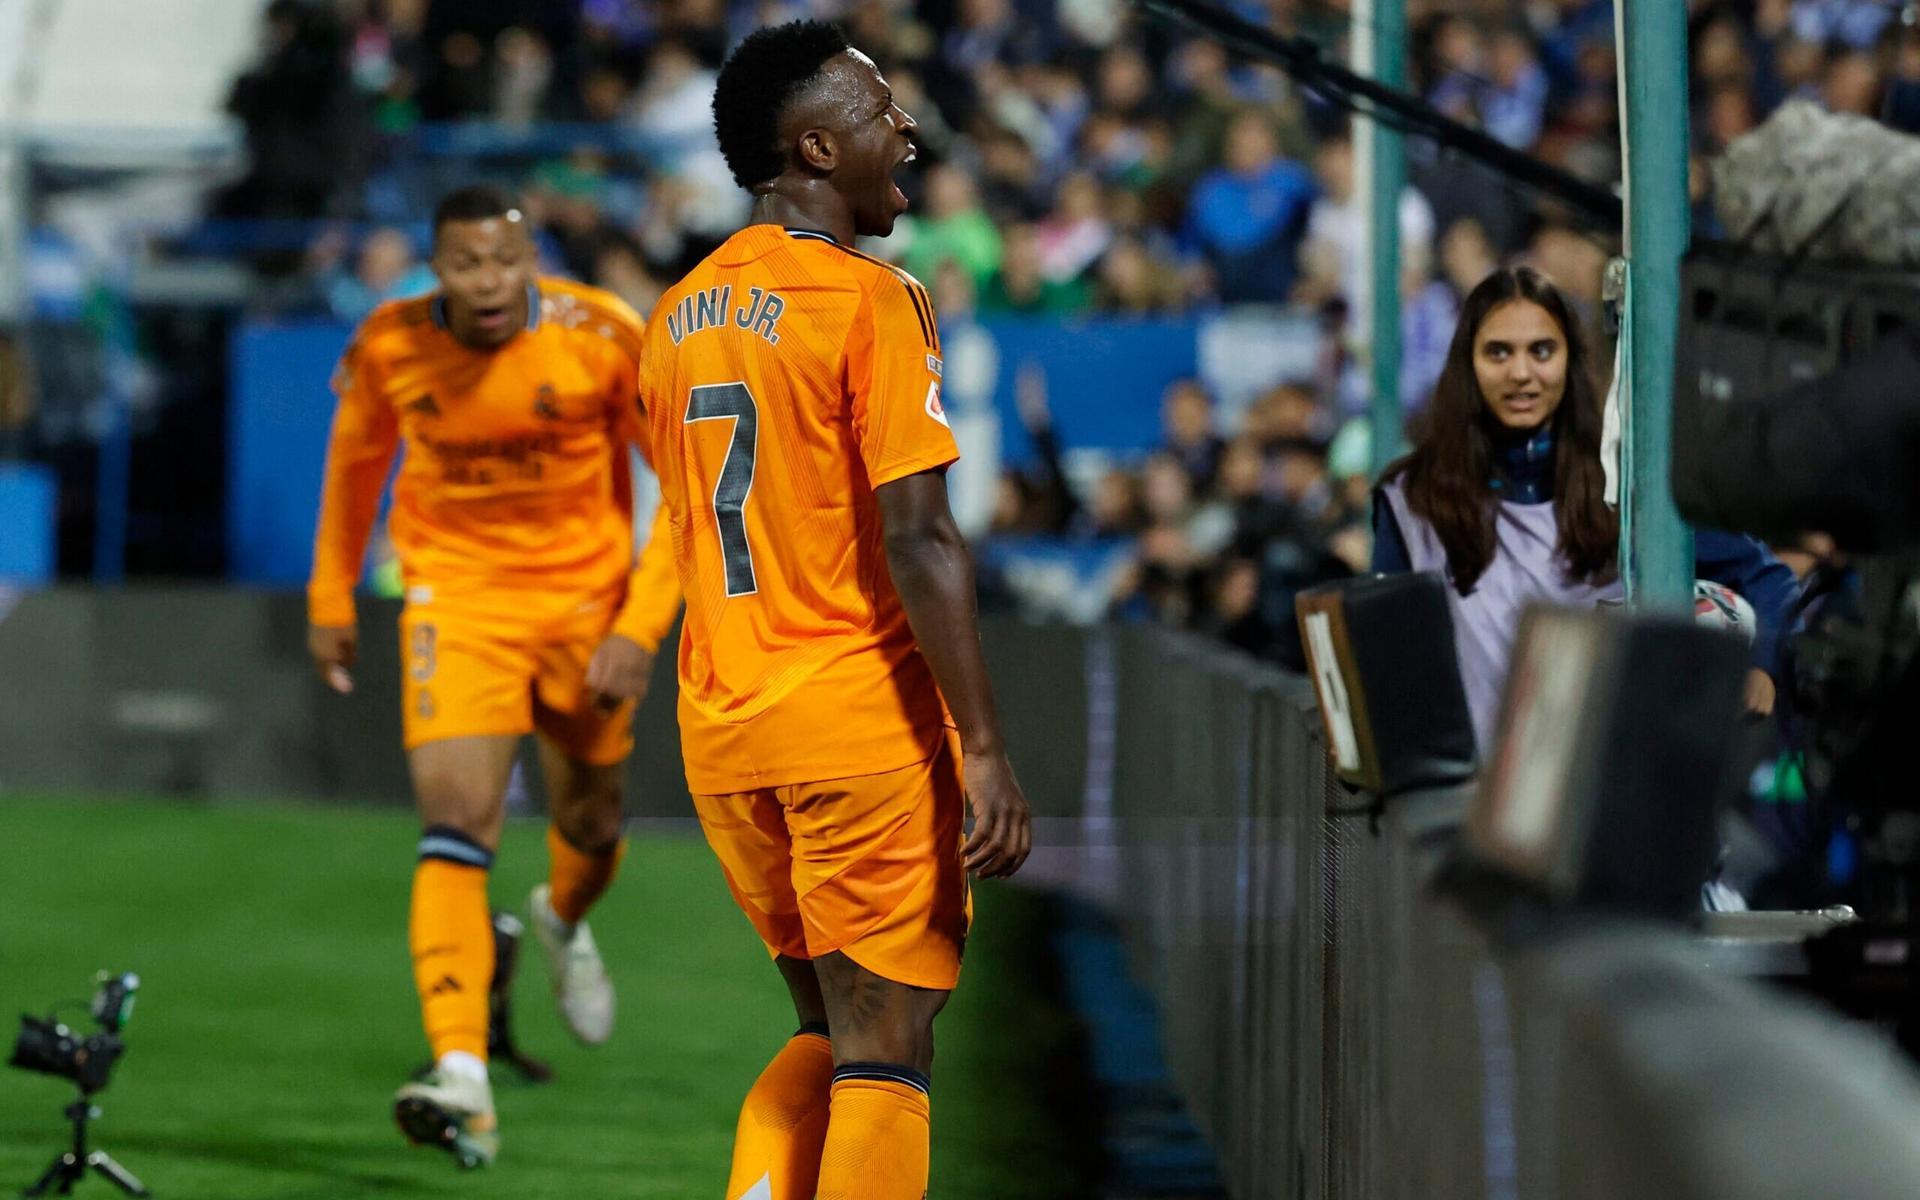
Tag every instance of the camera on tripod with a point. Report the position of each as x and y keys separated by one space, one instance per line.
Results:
x=50 y=1047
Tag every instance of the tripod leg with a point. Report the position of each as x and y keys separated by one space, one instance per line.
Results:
x=61 y=1172
x=121 y=1178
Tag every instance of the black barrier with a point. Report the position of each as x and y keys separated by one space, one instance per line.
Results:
x=1340 y=1030
x=208 y=692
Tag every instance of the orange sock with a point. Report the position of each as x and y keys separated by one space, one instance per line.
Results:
x=878 y=1134
x=451 y=936
x=784 y=1123
x=575 y=878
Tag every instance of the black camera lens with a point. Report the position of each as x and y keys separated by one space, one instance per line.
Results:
x=44 y=1046
x=53 y=1049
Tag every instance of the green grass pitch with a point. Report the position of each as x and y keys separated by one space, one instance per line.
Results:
x=277 y=1016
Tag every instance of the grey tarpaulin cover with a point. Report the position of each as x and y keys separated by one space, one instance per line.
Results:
x=1829 y=187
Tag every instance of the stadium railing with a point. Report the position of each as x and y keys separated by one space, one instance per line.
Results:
x=1340 y=1030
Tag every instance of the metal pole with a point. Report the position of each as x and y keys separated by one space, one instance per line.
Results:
x=1656 y=547
x=1380 y=53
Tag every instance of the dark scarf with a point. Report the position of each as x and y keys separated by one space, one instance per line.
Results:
x=1523 y=466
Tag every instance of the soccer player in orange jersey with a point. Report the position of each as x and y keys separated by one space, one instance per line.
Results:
x=525 y=612
x=792 y=387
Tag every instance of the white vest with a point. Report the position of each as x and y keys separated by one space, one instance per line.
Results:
x=1526 y=570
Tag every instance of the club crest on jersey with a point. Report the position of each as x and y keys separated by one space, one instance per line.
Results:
x=424 y=406
x=935 y=409
x=546 y=405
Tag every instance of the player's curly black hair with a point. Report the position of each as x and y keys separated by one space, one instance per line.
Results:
x=761 y=77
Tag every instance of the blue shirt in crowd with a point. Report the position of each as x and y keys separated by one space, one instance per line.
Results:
x=1249 y=227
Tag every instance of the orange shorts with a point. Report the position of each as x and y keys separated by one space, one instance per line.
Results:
x=868 y=866
x=464 y=679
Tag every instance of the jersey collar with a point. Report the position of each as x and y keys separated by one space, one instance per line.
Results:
x=813 y=234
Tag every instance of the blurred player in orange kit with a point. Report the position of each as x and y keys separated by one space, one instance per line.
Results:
x=792 y=388
x=525 y=612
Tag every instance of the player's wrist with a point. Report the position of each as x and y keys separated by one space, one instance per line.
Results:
x=981 y=748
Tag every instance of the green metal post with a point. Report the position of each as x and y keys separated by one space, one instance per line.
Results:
x=1380 y=45
x=1656 y=547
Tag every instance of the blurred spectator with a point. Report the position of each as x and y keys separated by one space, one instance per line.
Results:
x=605 y=95
x=675 y=103
x=1514 y=98
x=1454 y=65
x=1186 y=414
x=1132 y=282
x=459 y=78
x=1728 y=115
x=386 y=268
x=955 y=229
x=567 y=198
x=1330 y=259
x=1200 y=74
x=1115 y=509
x=990 y=32
x=295 y=104
x=16 y=394
x=1012 y=183
x=1852 y=85
x=1126 y=83
x=1429 y=310
x=619 y=267
x=1021 y=284
x=1574 y=262
x=1466 y=256
x=1075 y=235
x=1247 y=216
x=1856 y=23
x=520 y=83
x=1288 y=413
x=1903 y=89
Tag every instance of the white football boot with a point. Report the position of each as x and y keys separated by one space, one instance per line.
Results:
x=580 y=984
x=451 y=1110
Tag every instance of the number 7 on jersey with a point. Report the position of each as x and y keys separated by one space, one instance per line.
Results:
x=732 y=401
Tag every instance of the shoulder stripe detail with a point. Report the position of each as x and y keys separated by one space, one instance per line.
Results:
x=933 y=321
x=922 y=305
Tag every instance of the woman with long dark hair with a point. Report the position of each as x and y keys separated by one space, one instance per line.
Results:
x=1505 y=496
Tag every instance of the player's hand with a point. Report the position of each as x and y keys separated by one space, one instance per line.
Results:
x=1002 y=823
x=1758 y=695
x=334 y=648
x=618 y=673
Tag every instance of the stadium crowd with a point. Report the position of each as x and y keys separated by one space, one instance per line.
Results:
x=1077 y=160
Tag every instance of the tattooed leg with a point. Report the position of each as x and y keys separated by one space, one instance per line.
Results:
x=875 y=1019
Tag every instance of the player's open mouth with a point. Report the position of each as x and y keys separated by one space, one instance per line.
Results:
x=900 y=197
x=492 y=320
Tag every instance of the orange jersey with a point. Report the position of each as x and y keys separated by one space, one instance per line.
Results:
x=784 y=380
x=513 y=502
